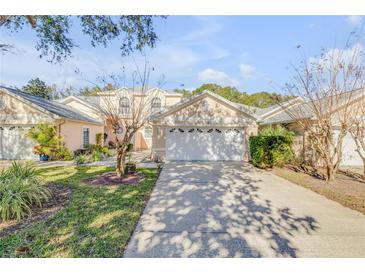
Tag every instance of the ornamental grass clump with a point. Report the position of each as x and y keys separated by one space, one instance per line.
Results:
x=21 y=189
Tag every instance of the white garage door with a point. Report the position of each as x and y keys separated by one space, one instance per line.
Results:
x=204 y=144
x=14 y=145
x=350 y=156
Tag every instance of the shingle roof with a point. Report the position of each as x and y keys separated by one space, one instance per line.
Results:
x=305 y=110
x=92 y=100
x=287 y=116
x=52 y=106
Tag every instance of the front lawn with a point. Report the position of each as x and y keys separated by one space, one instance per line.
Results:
x=345 y=190
x=96 y=222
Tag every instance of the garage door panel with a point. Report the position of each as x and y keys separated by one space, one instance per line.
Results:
x=204 y=144
x=14 y=145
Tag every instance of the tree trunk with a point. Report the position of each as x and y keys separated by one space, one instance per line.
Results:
x=330 y=172
x=363 y=167
x=120 y=163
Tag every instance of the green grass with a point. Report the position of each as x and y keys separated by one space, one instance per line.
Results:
x=96 y=222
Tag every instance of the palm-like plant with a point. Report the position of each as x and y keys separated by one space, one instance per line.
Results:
x=20 y=190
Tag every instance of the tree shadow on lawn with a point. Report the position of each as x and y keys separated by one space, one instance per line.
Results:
x=215 y=210
x=96 y=222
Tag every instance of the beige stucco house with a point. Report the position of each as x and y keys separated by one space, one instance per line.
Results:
x=20 y=111
x=204 y=127
x=122 y=101
x=289 y=113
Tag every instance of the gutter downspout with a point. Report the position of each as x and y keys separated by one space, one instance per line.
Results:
x=63 y=121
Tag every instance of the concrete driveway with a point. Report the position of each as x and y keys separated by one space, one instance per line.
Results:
x=234 y=210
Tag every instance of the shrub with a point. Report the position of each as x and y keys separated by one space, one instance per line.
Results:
x=97 y=156
x=81 y=159
x=62 y=153
x=99 y=139
x=277 y=130
x=106 y=151
x=271 y=150
x=20 y=190
x=45 y=136
x=48 y=142
x=129 y=147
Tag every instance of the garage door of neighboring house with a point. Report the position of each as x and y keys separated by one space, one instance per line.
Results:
x=350 y=156
x=204 y=144
x=14 y=145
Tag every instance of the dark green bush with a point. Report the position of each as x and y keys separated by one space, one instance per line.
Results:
x=130 y=147
x=269 y=151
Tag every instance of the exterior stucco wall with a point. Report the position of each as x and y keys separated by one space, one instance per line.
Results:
x=71 y=132
x=140 y=142
x=158 y=142
x=172 y=100
x=84 y=109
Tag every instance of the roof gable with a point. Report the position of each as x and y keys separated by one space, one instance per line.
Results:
x=191 y=100
x=305 y=108
x=56 y=110
x=80 y=99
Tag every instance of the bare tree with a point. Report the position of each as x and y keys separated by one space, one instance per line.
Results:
x=329 y=85
x=126 y=110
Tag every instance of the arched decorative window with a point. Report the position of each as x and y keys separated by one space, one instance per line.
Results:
x=155 y=105
x=124 y=106
x=148 y=132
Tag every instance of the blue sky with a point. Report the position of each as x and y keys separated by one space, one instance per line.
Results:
x=252 y=53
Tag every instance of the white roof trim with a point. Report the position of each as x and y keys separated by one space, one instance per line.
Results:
x=289 y=103
x=68 y=98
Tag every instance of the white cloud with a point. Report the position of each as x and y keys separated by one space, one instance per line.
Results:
x=247 y=70
x=216 y=76
x=24 y=64
x=354 y=20
x=339 y=55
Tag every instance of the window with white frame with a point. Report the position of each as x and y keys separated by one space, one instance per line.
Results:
x=148 y=132
x=124 y=106
x=155 y=105
x=85 y=137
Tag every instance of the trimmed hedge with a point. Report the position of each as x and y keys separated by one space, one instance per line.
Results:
x=269 y=151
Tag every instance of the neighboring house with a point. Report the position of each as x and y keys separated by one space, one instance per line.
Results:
x=283 y=114
x=204 y=127
x=20 y=111
x=122 y=100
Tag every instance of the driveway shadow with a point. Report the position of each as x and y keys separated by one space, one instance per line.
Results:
x=214 y=210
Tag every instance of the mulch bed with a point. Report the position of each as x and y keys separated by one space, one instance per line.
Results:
x=60 y=196
x=111 y=179
x=345 y=189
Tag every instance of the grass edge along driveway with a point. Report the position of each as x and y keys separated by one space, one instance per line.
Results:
x=96 y=222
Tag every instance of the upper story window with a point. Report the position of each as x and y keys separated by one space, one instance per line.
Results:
x=155 y=105
x=124 y=106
